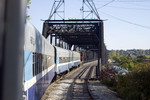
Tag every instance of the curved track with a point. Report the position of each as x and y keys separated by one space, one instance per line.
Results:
x=79 y=87
x=73 y=85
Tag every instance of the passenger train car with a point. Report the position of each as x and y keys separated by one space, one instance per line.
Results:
x=63 y=60
x=42 y=62
x=76 y=59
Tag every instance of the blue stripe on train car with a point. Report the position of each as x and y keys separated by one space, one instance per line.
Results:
x=28 y=61
x=76 y=63
x=62 y=68
x=70 y=65
x=57 y=60
x=38 y=89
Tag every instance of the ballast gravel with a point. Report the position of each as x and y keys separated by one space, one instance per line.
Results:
x=60 y=89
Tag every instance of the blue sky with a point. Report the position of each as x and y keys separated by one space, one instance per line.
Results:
x=127 y=25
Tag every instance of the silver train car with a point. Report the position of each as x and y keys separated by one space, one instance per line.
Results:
x=42 y=62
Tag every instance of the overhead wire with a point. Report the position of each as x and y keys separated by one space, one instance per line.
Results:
x=95 y=8
x=89 y=8
x=97 y=15
x=138 y=5
x=106 y=4
x=125 y=1
x=146 y=27
x=92 y=8
x=129 y=8
x=132 y=0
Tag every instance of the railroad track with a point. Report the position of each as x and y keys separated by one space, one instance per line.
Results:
x=73 y=85
x=79 y=88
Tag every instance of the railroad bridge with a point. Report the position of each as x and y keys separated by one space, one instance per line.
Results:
x=85 y=35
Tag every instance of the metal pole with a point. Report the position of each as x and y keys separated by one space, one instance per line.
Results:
x=98 y=66
x=55 y=41
x=12 y=32
x=100 y=32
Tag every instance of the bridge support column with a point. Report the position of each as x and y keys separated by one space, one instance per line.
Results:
x=55 y=41
x=100 y=47
x=99 y=64
x=50 y=39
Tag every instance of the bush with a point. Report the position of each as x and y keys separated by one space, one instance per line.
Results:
x=108 y=76
x=135 y=85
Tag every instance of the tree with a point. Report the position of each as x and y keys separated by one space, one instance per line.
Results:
x=126 y=62
x=141 y=58
x=28 y=3
x=28 y=6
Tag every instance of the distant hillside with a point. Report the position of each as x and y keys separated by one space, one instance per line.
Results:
x=133 y=52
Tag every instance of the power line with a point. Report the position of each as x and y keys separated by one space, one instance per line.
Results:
x=137 y=4
x=129 y=8
x=147 y=27
x=121 y=1
x=132 y=0
x=126 y=1
x=106 y=4
x=95 y=11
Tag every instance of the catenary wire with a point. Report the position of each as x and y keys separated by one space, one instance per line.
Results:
x=129 y=8
x=106 y=4
x=146 y=27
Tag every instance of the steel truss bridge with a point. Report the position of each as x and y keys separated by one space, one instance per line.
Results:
x=84 y=34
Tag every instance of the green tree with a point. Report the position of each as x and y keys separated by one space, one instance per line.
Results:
x=28 y=3
x=141 y=58
x=28 y=6
x=126 y=62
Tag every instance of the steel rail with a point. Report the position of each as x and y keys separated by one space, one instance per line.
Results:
x=85 y=83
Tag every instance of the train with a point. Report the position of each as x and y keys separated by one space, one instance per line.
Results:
x=43 y=62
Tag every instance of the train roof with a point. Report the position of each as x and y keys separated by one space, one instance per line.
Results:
x=35 y=42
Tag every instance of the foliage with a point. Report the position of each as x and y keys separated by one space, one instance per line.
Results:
x=141 y=58
x=134 y=52
x=108 y=76
x=135 y=85
x=28 y=3
x=126 y=62
x=28 y=6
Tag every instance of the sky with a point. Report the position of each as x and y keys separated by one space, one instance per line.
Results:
x=126 y=22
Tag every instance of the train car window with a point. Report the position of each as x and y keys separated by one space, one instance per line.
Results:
x=38 y=64
x=33 y=64
x=40 y=55
x=42 y=62
x=64 y=59
x=46 y=66
x=48 y=61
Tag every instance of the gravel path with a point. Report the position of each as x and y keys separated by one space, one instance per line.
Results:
x=58 y=91
x=102 y=91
